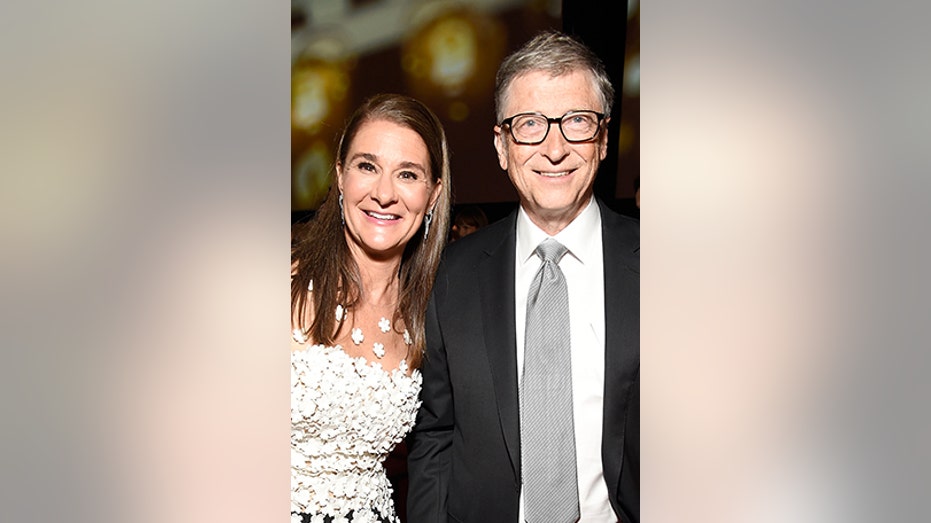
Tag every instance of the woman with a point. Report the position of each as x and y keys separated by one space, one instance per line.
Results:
x=361 y=277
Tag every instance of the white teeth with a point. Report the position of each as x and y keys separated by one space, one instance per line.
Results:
x=554 y=175
x=382 y=216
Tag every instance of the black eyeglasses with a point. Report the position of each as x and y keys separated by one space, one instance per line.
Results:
x=532 y=128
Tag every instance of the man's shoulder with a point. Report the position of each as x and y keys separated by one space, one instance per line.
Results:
x=610 y=216
x=463 y=259
x=621 y=236
x=481 y=243
x=620 y=225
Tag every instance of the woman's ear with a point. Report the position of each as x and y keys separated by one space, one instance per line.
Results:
x=435 y=195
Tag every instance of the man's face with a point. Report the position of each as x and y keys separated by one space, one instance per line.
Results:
x=555 y=177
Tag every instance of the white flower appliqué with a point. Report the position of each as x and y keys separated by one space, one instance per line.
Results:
x=299 y=336
x=339 y=312
x=407 y=337
x=379 y=349
x=346 y=416
x=357 y=336
x=384 y=324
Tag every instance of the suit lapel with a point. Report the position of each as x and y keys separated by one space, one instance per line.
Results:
x=622 y=334
x=496 y=285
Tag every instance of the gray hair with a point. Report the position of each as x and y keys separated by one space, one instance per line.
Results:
x=556 y=53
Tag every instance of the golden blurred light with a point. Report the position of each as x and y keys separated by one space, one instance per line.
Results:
x=310 y=176
x=316 y=87
x=320 y=94
x=632 y=76
x=454 y=51
x=450 y=56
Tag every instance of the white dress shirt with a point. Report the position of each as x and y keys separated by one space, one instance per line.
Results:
x=583 y=268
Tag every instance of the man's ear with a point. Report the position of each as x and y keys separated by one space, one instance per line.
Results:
x=502 y=148
x=603 y=140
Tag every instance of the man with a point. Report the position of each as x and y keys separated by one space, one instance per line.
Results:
x=474 y=452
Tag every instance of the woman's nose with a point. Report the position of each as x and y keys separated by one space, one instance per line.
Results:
x=384 y=191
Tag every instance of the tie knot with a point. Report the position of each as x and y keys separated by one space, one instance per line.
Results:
x=551 y=250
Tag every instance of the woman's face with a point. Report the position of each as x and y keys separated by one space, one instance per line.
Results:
x=387 y=188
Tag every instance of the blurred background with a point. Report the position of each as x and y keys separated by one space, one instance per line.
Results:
x=446 y=53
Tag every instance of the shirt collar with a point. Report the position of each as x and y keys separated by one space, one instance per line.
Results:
x=576 y=236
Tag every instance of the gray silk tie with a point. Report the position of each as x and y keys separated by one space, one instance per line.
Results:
x=547 y=435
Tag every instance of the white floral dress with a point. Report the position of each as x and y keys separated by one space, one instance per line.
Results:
x=346 y=416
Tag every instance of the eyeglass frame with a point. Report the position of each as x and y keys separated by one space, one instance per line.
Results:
x=549 y=123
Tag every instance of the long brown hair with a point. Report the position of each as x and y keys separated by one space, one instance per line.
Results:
x=321 y=254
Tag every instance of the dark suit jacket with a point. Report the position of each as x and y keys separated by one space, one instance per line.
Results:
x=464 y=451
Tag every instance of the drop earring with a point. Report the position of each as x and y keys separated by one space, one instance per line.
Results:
x=426 y=224
x=342 y=214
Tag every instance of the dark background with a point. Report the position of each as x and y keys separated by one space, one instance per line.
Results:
x=611 y=30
